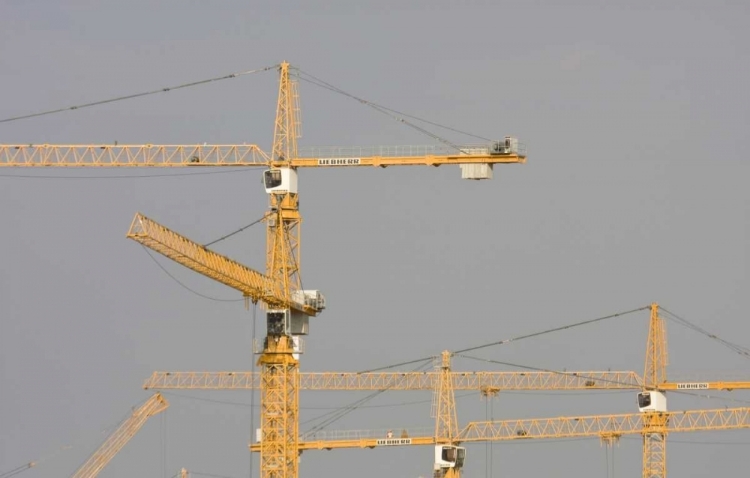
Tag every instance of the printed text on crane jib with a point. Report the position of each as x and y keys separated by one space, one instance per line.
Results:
x=339 y=161
x=393 y=441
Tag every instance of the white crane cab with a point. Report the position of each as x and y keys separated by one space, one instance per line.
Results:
x=280 y=180
x=652 y=401
x=449 y=456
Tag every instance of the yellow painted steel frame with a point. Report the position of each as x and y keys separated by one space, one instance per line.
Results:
x=280 y=371
x=655 y=373
x=121 y=436
x=610 y=426
x=279 y=446
x=219 y=155
x=194 y=256
x=412 y=381
x=279 y=393
x=446 y=423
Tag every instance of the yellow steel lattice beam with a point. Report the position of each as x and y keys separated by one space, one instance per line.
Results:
x=404 y=380
x=216 y=266
x=140 y=155
x=120 y=437
x=610 y=426
x=596 y=425
x=165 y=156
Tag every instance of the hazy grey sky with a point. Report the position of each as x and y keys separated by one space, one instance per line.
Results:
x=635 y=118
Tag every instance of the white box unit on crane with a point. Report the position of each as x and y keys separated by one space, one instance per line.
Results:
x=310 y=298
x=449 y=456
x=652 y=401
x=475 y=170
x=287 y=322
x=280 y=180
x=292 y=321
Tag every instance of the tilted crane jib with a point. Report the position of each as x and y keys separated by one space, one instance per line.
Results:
x=121 y=436
x=192 y=255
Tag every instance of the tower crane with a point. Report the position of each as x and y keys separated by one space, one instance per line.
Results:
x=121 y=436
x=450 y=458
x=288 y=307
x=654 y=421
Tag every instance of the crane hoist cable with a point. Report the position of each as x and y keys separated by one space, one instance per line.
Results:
x=216 y=299
x=206 y=245
x=345 y=410
x=339 y=407
x=252 y=392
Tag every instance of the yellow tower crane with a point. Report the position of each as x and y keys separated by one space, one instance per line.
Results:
x=449 y=459
x=288 y=308
x=653 y=422
x=121 y=436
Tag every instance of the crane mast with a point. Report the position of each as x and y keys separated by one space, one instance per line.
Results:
x=652 y=401
x=279 y=391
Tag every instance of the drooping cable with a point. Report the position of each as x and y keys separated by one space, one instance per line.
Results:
x=138 y=95
x=252 y=392
x=492 y=419
x=613 y=460
x=183 y=285
x=164 y=444
x=606 y=454
x=334 y=408
x=343 y=411
x=488 y=442
x=71 y=445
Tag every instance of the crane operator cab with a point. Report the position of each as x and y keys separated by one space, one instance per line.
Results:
x=448 y=456
x=280 y=180
x=652 y=401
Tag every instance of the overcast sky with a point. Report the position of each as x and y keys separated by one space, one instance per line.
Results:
x=635 y=191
